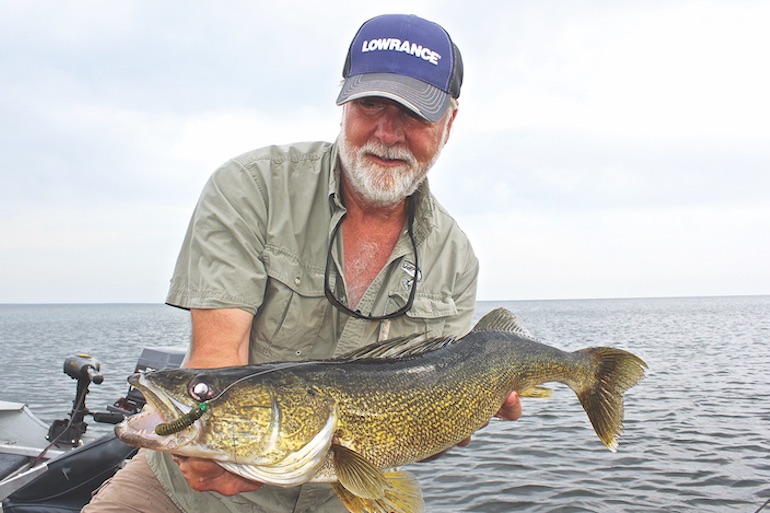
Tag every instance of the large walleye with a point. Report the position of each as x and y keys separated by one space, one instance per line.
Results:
x=354 y=421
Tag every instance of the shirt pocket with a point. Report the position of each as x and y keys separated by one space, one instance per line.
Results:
x=288 y=322
x=428 y=315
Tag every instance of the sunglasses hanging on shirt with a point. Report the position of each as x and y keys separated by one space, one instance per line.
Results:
x=339 y=305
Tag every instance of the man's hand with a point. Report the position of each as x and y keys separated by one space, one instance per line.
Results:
x=511 y=408
x=220 y=337
x=207 y=476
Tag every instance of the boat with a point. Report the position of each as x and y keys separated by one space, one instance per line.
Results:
x=49 y=468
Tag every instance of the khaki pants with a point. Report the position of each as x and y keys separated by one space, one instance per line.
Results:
x=134 y=488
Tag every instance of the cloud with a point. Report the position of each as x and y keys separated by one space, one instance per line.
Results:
x=621 y=252
x=615 y=141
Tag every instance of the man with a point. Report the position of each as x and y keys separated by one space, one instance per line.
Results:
x=315 y=249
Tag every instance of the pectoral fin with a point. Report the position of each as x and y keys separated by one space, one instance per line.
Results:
x=363 y=488
x=357 y=475
x=402 y=495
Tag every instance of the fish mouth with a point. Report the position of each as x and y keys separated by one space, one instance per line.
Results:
x=160 y=408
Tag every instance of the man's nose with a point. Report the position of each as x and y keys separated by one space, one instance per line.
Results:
x=390 y=126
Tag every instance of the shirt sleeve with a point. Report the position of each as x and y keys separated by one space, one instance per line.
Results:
x=464 y=298
x=220 y=264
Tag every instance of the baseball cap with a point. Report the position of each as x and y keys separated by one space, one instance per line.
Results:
x=404 y=58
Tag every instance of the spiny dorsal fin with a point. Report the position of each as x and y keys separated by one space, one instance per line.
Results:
x=400 y=347
x=501 y=319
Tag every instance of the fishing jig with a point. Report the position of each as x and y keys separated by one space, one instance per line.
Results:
x=187 y=420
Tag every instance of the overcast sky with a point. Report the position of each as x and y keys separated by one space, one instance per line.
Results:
x=602 y=149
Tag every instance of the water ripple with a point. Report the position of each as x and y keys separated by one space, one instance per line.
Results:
x=697 y=430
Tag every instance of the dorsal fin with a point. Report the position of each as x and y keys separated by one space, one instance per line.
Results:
x=399 y=347
x=501 y=319
x=498 y=319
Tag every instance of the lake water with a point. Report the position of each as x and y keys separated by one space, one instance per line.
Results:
x=697 y=429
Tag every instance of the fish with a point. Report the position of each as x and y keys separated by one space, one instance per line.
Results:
x=356 y=421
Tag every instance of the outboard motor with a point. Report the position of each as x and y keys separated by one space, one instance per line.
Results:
x=151 y=359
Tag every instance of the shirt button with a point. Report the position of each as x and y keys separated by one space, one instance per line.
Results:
x=297 y=281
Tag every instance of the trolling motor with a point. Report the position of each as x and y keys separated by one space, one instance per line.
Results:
x=85 y=369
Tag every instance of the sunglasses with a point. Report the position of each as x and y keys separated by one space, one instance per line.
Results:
x=342 y=307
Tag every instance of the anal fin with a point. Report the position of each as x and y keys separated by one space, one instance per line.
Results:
x=537 y=391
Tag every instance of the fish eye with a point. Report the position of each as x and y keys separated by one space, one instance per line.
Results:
x=201 y=389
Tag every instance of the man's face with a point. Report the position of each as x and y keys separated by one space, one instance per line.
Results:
x=386 y=150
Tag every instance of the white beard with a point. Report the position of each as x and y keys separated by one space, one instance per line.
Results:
x=379 y=185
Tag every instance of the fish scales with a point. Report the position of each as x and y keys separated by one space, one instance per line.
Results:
x=348 y=421
x=433 y=405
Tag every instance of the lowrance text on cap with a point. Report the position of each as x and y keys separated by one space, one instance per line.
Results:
x=407 y=59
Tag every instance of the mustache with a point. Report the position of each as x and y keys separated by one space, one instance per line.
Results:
x=388 y=152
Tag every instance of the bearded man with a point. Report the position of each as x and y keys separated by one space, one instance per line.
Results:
x=312 y=250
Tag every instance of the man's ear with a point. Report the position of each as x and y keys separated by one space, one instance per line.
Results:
x=449 y=123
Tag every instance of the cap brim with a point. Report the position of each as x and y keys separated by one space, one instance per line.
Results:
x=423 y=99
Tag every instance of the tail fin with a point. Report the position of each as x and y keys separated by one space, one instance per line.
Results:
x=615 y=371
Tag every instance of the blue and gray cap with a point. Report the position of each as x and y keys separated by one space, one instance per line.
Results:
x=406 y=59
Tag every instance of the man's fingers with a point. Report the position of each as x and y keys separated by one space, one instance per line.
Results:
x=511 y=408
x=207 y=476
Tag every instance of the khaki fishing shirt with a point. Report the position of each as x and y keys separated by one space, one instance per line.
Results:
x=258 y=240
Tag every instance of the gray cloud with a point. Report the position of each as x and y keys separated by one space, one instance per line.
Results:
x=616 y=141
